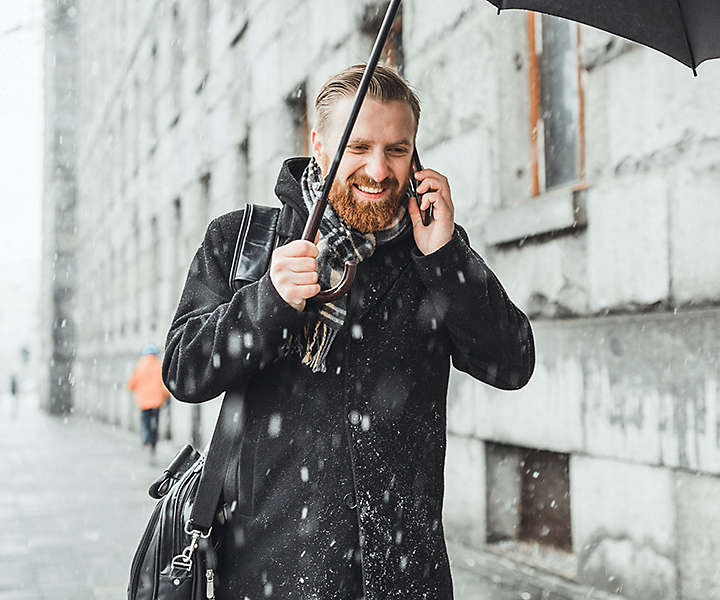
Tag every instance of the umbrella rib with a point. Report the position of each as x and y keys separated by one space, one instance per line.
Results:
x=687 y=38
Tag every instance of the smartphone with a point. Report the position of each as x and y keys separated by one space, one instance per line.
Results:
x=425 y=215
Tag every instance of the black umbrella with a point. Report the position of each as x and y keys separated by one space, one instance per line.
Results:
x=686 y=30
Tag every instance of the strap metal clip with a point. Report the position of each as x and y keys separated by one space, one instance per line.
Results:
x=184 y=559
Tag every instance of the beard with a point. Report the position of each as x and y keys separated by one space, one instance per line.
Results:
x=366 y=215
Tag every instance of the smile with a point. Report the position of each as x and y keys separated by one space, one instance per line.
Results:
x=369 y=192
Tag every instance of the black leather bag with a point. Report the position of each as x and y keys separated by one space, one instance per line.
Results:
x=176 y=556
x=163 y=566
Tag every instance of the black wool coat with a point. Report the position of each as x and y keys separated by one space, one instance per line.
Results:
x=337 y=489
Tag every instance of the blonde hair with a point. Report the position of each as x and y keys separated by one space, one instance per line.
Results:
x=386 y=85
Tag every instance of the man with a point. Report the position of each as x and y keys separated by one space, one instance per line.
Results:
x=150 y=394
x=338 y=487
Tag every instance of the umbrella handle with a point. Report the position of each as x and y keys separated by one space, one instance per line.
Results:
x=313 y=222
x=341 y=288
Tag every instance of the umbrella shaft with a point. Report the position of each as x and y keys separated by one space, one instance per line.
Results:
x=313 y=223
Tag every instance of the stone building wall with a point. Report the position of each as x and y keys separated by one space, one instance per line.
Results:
x=59 y=208
x=185 y=111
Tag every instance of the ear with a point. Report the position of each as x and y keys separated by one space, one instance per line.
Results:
x=317 y=144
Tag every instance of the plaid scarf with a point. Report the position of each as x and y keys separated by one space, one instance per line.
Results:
x=338 y=242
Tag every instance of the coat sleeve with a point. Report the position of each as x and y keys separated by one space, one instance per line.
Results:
x=491 y=339
x=131 y=383
x=218 y=337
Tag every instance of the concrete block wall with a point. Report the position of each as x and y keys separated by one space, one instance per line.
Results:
x=631 y=397
x=626 y=373
x=634 y=401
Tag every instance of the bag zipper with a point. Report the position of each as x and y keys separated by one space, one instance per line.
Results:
x=210 y=584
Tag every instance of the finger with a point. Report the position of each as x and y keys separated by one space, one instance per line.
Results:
x=303 y=264
x=303 y=292
x=433 y=198
x=425 y=173
x=308 y=291
x=431 y=184
x=303 y=278
x=298 y=248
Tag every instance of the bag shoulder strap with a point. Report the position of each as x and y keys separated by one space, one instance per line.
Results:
x=255 y=242
x=228 y=429
x=257 y=238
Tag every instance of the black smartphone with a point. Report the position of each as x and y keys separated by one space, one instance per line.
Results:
x=425 y=215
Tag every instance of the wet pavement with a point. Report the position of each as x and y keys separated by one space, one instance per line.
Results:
x=73 y=504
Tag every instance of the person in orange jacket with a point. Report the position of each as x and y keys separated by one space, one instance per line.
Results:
x=150 y=394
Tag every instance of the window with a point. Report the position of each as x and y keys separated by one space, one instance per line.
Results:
x=178 y=267
x=154 y=282
x=110 y=304
x=177 y=58
x=556 y=103
x=203 y=43
x=152 y=98
x=528 y=506
x=136 y=109
x=242 y=167
x=136 y=270
x=297 y=103
x=372 y=18
x=205 y=199
x=121 y=165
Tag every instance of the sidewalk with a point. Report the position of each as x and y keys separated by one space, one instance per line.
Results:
x=74 y=503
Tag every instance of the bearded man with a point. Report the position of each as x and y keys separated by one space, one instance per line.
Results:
x=337 y=487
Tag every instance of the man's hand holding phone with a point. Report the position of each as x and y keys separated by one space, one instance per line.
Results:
x=434 y=190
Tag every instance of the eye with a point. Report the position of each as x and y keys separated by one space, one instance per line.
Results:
x=357 y=147
x=398 y=151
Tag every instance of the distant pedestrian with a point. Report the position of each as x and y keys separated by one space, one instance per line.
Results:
x=14 y=395
x=150 y=394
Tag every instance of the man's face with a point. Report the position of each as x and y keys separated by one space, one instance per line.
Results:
x=375 y=170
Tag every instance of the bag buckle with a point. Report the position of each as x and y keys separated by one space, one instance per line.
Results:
x=184 y=559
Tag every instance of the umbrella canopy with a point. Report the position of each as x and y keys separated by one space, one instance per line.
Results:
x=686 y=30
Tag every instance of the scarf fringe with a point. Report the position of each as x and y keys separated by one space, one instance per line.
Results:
x=319 y=340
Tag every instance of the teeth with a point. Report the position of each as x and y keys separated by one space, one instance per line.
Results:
x=369 y=190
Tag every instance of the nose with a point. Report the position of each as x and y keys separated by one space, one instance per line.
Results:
x=377 y=166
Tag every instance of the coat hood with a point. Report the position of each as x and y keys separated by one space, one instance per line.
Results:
x=288 y=189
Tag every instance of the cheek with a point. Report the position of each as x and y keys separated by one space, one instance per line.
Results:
x=348 y=167
x=402 y=173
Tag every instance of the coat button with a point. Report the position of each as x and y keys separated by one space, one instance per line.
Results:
x=349 y=501
x=354 y=417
